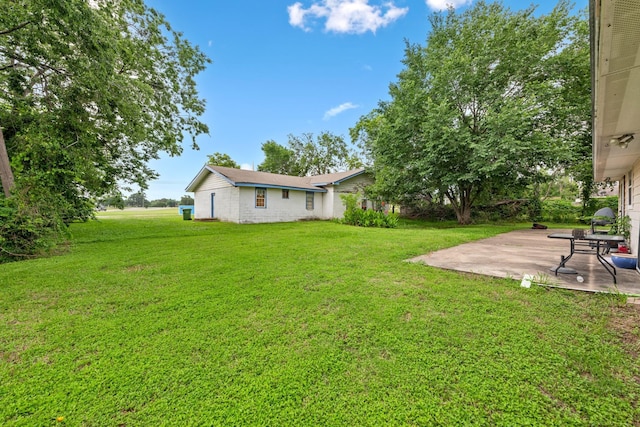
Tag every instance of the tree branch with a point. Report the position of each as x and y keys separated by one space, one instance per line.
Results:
x=11 y=30
x=22 y=61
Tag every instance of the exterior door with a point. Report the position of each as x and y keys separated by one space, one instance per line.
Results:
x=213 y=197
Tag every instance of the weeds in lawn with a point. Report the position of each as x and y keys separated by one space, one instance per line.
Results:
x=159 y=321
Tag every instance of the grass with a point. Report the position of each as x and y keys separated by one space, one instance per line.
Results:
x=151 y=320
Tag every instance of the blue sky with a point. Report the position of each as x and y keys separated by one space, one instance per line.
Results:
x=285 y=67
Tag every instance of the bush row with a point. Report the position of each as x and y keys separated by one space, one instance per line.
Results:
x=562 y=211
x=354 y=215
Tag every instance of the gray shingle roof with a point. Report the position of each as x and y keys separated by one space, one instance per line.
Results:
x=335 y=178
x=243 y=178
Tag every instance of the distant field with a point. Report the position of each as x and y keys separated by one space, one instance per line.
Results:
x=138 y=212
x=151 y=321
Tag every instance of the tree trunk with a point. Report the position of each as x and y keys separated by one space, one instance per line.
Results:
x=463 y=214
x=461 y=204
x=6 y=174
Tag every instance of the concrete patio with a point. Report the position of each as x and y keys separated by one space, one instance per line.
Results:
x=514 y=254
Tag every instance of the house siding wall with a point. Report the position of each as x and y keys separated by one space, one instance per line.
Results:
x=633 y=209
x=350 y=186
x=237 y=204
x=277 y=209
x=328 y=202
x=225 y=201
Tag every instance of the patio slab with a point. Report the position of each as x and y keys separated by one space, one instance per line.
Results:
x=514 y=254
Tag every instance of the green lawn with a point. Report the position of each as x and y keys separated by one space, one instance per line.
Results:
x=152 y=320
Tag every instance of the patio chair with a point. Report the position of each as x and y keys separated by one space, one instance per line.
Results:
x=579 y=244
x=602 y=218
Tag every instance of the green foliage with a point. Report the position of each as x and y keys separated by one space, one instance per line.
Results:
x=479 y=112
x=562 y=211
x=595 y=204
x=565 y=211
x=30 y=224
x=163 y=203
x=137 y=200
x=521 y=210
x=571 y=68
x=187 y=200
x=95 y=92
x=622 y=227
x=115 y=200
x=429 y=211
x=221 y=159
x=534 y=209
x=355 y=215
x=90 y=92
x=279 y=159
x=137 y=326
x=305 y=155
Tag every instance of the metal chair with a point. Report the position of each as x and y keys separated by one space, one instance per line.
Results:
x=602 y=218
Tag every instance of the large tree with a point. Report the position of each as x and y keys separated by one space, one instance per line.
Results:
x=279 y=159
x=222 y=159
x=305 y=155
x=572 y=69
x=90 y=91
x=472 y=114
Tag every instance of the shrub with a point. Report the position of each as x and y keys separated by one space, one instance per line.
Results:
x=507 y=210
x=429 y=211
x=354 y=215
x=30 y=225
x=560 y=211
x=595 y=204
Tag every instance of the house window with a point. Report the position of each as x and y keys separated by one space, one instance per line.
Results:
x=309 y=200
x=285 y=194
x=261 y=197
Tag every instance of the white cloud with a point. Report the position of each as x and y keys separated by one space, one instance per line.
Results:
x=246 y=166
x=210 y=43
x=339 y=109
x=346 y=16
x=296 y=15
x=443 y=4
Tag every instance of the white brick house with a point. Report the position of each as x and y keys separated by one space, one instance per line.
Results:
x=243 y=196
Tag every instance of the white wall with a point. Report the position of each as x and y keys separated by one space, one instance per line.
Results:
x=351 y=186
x=225 y=201
x=633 y=210
x=277 y=209
x=237 y=204
x=328 y=201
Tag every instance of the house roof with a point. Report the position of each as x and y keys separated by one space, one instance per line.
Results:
x=615 y=68
x=247 y=178
x=335 y=178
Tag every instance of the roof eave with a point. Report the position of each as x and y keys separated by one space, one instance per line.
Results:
x=283 y=187
x=341 y=180
x=193 y=185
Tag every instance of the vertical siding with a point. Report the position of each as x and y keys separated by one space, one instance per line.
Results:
x=277 y=209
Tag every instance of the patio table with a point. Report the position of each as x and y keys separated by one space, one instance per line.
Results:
x=588 y=240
